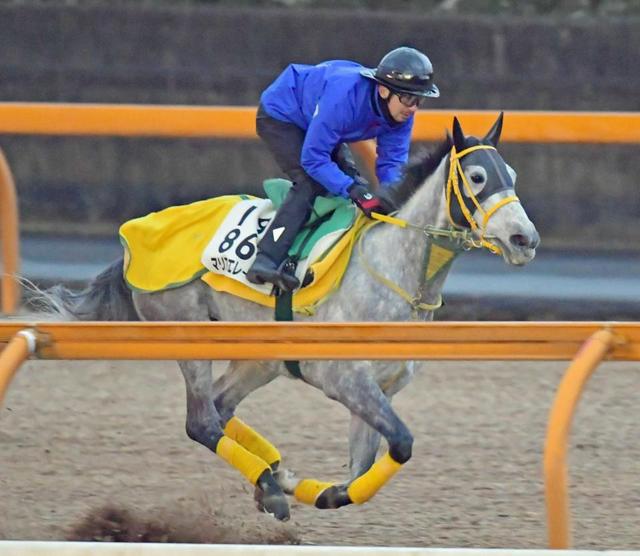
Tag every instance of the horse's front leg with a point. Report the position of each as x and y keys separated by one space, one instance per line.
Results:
x=363 y=440
x=205 y=426
x=357 y=391
x=363 y=446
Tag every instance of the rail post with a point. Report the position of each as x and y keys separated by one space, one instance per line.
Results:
x=21 y=346
x=575 y=378
x=10 y=291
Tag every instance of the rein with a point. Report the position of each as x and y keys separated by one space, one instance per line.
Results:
x=414 y=300
x=445 y=243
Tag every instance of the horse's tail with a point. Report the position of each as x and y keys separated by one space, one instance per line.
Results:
x=107 y=297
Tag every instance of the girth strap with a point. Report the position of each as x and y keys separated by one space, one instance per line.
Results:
x=284 y=313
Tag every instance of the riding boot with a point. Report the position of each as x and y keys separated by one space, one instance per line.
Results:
x=270 y=264
x=264 y=269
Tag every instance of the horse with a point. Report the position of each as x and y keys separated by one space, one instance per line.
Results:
x=461 y=194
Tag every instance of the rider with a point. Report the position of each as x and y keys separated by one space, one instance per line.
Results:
x=308 y=114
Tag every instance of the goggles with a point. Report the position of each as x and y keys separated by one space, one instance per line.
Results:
x=409 y=100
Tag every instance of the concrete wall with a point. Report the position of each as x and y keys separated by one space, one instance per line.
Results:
x=577 y=194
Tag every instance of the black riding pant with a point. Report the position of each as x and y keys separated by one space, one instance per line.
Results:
x=285 y=143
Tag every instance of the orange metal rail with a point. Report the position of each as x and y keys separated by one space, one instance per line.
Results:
x=305 y=340
x=560 y=417
x=586 y=344
x=232 y=122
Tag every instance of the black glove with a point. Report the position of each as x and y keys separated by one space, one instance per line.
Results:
x=367 y=201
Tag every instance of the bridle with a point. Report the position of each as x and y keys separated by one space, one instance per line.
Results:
x=444 y=243
x=453 y=186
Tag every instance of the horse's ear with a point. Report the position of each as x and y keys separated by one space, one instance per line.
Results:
x=493 y=135
x=458 y=135
x=449 y=139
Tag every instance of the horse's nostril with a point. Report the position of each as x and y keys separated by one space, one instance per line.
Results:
x=521 y=240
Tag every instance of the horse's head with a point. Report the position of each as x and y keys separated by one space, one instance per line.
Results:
x=480 y=193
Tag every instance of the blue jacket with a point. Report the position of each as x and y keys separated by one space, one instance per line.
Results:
x=335 y=104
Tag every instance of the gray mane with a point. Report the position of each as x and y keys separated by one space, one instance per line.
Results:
x=417 y=172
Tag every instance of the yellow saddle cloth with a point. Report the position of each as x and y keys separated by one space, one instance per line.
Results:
x=163 y=250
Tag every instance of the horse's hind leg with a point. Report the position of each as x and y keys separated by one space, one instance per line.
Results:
x=239 y=380
x=363 y=397
x=205 y=426
x=203 y=421
x=193 y=302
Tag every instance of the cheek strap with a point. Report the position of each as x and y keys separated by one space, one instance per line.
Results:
x=384 y=106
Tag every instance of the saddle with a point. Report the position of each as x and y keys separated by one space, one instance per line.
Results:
x=214 y=240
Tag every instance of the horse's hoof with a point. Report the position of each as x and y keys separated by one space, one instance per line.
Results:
x=277 y=506
x=273 y=504
x=333 y=497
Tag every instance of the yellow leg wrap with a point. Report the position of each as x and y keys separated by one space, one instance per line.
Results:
x=308 y=490
x=250 y=465
x=253 y=441
x=365 y=486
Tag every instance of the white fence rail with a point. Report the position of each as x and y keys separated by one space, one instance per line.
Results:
x=26 y=548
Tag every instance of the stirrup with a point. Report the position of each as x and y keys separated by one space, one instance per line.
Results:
x=287 y=280
x=282 y=277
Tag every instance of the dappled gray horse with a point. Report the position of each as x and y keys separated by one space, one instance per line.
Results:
x=461 y=195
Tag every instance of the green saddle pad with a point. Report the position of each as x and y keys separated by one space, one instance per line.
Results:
x=330 y=214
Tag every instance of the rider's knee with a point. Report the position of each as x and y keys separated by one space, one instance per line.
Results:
x=400 y=449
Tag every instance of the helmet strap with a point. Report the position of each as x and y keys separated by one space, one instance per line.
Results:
x=384 y=107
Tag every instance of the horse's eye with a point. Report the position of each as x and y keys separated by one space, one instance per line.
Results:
x=477 y=178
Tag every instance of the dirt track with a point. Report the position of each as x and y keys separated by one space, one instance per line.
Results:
x=77 y=436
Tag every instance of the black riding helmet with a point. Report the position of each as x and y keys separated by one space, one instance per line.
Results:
x=405 y=70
